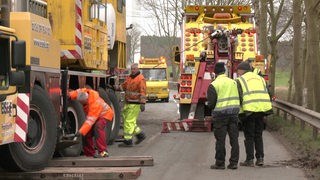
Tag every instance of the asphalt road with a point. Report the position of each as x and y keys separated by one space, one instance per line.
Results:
x=188 y=155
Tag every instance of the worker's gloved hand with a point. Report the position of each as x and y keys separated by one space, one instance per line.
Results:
x=142 y=107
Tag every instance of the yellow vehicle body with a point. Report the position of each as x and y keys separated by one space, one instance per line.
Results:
x=203 y=17
x=155 y=72
x=48 y=47
x=43 y=50
x=83 y=34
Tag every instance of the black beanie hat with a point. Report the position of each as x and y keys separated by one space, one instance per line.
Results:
x=244 y=66
x=219 y=68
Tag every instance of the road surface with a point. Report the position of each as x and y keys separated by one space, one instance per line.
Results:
x=188 y=155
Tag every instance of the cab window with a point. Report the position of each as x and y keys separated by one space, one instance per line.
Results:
x=5 y=62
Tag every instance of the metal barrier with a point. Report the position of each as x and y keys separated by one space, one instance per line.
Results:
x=303 y=114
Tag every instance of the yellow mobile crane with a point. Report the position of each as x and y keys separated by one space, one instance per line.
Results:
x=48 y=47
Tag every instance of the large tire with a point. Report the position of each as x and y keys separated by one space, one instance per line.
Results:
x=39 y=147
x=113 y=128
x=76 y=118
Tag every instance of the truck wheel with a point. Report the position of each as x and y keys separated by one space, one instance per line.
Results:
x=103 y=94
x=113 y=128
x=39 y=147
x=76 y=117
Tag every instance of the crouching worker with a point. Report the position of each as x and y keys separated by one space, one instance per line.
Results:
x=98 y=113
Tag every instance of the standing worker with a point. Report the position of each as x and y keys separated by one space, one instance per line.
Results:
x=135 y=99
x=98 y=114
x=223 y=100
x=255 y=104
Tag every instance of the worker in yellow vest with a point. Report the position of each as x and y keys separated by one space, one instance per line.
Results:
x=224 y=103
x=255 y=104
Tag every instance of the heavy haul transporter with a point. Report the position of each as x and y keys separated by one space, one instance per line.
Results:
x=212 y=34
x=48 y=47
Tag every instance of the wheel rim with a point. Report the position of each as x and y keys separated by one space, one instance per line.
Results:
x=36 y=133
x=73 y=125
x=114 y=117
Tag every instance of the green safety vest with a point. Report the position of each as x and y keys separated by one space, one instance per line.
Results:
x=255 y=94
x=228 y=102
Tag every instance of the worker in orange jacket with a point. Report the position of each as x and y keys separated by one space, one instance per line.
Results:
x=135 y=99
x=98 y=114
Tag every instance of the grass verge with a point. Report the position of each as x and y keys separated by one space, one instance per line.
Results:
x=303 y=147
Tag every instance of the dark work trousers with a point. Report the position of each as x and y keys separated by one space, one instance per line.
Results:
x=221 y=127
x=252 y=129
x=98 y=133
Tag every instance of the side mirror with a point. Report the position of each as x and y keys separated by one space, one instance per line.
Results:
x=18 y=54
x=176 y=54
x=171 y=74
x=17 y=78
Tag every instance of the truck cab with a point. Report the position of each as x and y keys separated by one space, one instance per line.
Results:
x=155 y=72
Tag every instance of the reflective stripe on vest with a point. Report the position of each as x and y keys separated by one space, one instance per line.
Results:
x=255 y=93
x=228 y=102
x=104 y=105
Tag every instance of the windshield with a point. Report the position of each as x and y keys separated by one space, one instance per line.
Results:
x=154 y=74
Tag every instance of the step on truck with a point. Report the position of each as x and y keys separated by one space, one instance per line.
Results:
x=48 y=47
x=211 y=34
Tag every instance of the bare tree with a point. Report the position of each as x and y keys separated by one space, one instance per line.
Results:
x=167 y=15
x=297 y=58
x=275 y=34
x=134 y=44
x=312 y=78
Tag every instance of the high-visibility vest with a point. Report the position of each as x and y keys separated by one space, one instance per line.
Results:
x=255 y=97
x=228 y=102
x=95 y=108
x=135 y=89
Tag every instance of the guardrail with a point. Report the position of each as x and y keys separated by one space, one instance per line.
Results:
x=298 y=112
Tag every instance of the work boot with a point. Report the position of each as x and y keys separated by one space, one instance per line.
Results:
x=248 y=163
x=232 y=166
x=214 y=166
x=140 y=137
x=259 y=162
x=101 y=155
x=126 y=143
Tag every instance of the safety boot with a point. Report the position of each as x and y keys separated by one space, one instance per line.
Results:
x=232 y=166
x=126 y=143
x=215 y=166
x=248 y=163
x=140 y=137
x=101 y=155
x=259 y=162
